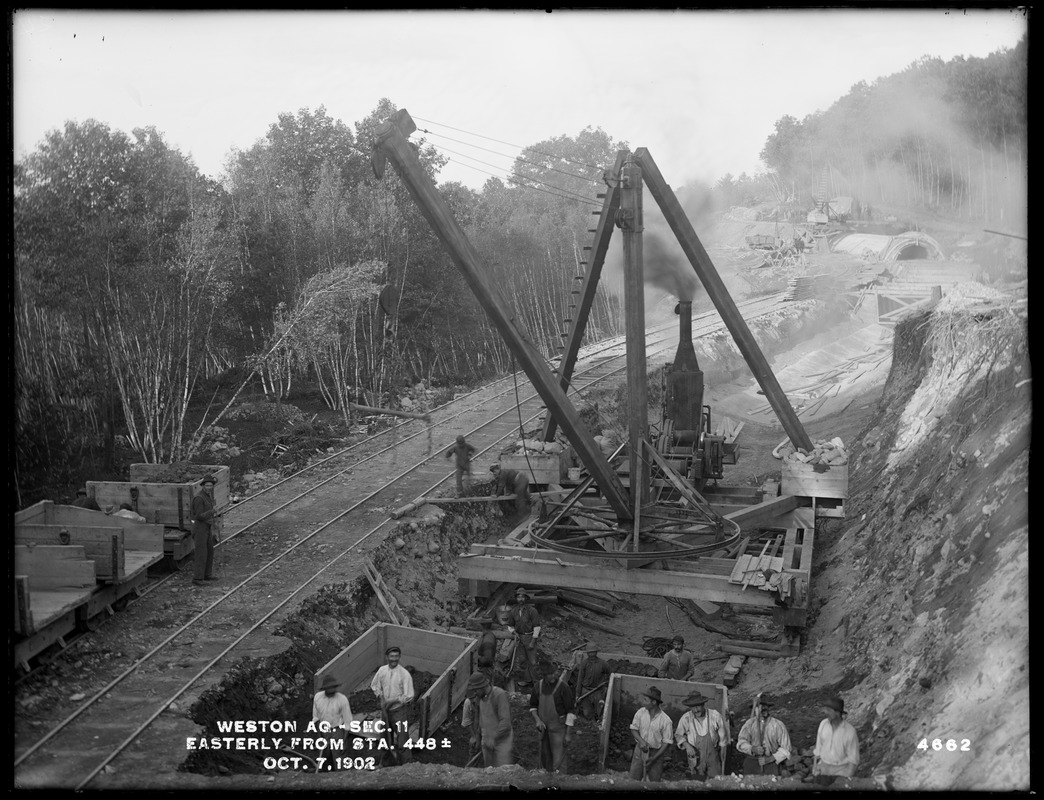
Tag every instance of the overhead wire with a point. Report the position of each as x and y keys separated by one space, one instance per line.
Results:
x=511 y=144
x=565 y=194
x=513 y=158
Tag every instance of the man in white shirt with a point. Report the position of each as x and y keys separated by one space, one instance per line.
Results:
x=701 y=734
x=764 y=740
x=837 y=745
x=331 y=707
x=393 y=686
x=653 y=732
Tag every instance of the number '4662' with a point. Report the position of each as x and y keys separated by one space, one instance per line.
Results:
x=949 y=744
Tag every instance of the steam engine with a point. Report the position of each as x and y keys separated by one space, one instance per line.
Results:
x=685 y=438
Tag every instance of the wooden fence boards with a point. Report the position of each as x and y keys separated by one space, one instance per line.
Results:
x=103 y=546
x=51 y=567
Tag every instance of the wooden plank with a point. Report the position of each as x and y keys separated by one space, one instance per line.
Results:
x=35 y=512
x=109 y=559
x=51 y=567
x=695 y=586
x=23 y=617
x=53 y=604
x=763 y=514
x=384 y=595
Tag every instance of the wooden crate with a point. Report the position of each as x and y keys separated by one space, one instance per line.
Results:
x=453 y=658
x=168 y=504
x=815 y=480
x=541 y=468
x=622 y=699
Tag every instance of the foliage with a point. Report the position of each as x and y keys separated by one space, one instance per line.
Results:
x=947 y=136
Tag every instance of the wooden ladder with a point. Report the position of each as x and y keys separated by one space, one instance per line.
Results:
x=380 y=588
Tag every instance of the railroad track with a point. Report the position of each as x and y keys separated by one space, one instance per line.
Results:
x=318 y=532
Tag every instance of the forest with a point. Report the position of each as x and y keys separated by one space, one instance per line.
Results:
x=148 y=297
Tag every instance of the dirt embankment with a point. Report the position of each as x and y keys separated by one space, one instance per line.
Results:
x=922 y=592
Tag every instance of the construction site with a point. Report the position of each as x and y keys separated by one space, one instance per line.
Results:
x=809 y=459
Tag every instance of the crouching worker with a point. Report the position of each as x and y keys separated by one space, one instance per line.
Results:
x=511 y=481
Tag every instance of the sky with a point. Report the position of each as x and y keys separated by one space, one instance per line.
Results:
x=701 y=90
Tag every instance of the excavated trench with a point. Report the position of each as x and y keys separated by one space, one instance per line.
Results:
x=919 y=600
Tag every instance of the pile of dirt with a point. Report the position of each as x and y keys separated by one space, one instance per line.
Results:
x=180 y=472
x=923 y=592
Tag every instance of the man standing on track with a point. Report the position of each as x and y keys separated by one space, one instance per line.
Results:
x=204 y=536
x=463 y=453
x=393 y=686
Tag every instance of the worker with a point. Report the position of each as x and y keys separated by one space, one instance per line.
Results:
x=701 y=734
x=836 y=753
x=469 y=713
x=331 y=707
x=127 y=512
x=677 y=663
x=653 y=733
x=592 y=676
x=84 y=501
x=487 y=646
x=463 y=452
x=524 y=624
x=551 y=705
x=393 y=686
x=764 y=740
x=511 y=481
x=491 y=730
x=204 y=534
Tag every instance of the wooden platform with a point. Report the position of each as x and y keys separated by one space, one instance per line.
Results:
x=71 y=565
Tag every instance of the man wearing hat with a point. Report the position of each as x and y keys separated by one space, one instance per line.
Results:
x=592 y=673
x=677 y=662
x=837 y=745
x=511 y=481
x=524 y=623
x=463 y=452
x=393 y=686
x=491 y=726
x=331 y=707
x=701 y=734
x=763 y=739
x=653 y=733
x=551 y=705
x=204 y=536
x=83 y=501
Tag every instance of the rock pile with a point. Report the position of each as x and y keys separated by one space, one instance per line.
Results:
x=831 y=453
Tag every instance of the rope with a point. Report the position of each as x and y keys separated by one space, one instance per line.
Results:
x=656 y=646
x=525 y=186
x=522 y=433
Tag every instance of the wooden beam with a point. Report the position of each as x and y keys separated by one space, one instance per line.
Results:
x=695 y=586
x=391 y=143
x=719 y=295
x=764 y=515
x=51 y=567
x=389 y=412
x=631 y=223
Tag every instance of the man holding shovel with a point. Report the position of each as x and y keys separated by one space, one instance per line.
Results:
x=592 y=676
x=653 y=733
x=393 y=686
x=551 y=705
x=701 y=734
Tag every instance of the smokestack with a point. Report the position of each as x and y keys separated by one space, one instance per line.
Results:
x=685 y=382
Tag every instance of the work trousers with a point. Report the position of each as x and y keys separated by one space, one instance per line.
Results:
x=529 y=652
x=403 y=713
x=203 y=556
x=552 y=740
x=498 y=754
x=460 y=473
x=655 y=771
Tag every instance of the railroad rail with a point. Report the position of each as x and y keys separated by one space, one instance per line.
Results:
x=133 y=702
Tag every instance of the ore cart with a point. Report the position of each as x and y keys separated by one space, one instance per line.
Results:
x=453 y=658
x=622 y=700
x=153 y=493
